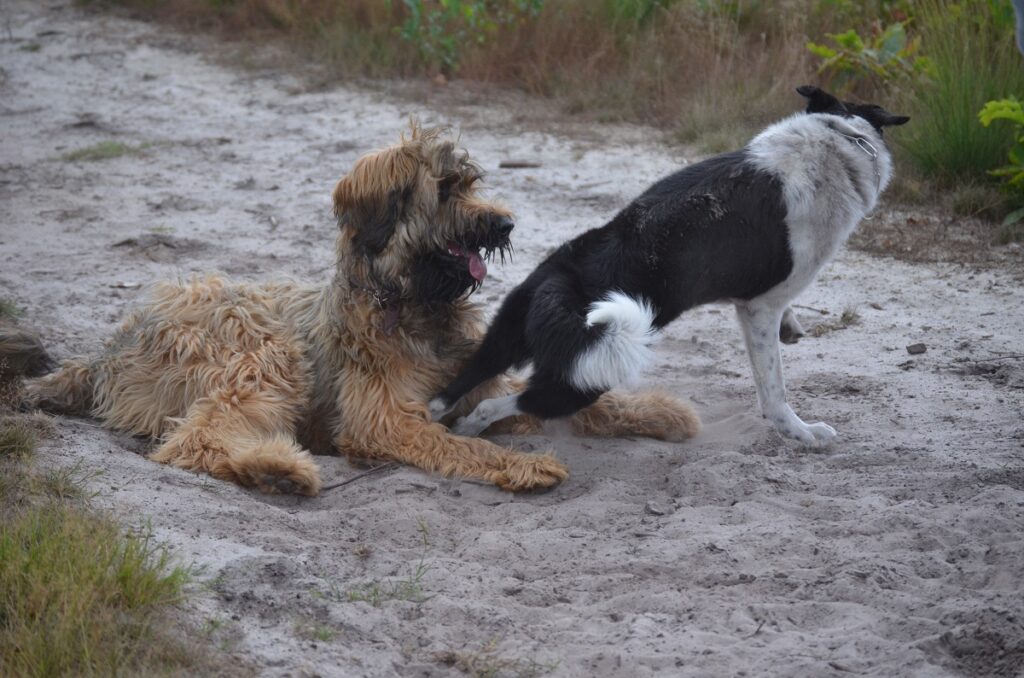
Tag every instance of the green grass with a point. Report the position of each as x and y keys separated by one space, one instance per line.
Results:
x=104 y=150
x=17 y=442
x=8 y=309
x=76 y=596
x=79 y=596
x=409 y=588
x=975 y=61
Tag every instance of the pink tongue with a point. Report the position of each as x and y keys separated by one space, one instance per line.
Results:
x=477 y=267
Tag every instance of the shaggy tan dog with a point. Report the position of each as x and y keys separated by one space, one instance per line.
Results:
x=240 y=380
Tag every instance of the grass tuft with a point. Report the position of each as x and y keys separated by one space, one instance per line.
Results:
x=104 y=150
x=408 y=589
x=8 y=309
x=848 y=318
x=17 y=441
x=488 y=663
x=78 y=596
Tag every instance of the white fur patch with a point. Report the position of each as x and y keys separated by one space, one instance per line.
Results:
x=623 y=352
x=829 y=183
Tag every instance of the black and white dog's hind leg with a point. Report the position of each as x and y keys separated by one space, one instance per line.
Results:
x=790 y=330
x=585 y=359
x=760 y=321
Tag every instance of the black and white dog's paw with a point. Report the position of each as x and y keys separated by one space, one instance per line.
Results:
x=485 y=414
x=438 y=408
x=820 y=434
x=469 y=426
x=790 y=329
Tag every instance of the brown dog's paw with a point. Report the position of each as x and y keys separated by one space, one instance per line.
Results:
x=276 y=466
x=531 y=472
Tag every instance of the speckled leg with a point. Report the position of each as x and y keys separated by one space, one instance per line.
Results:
x=760 y=323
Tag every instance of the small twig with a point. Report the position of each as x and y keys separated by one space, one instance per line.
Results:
x=354 y=478
x=757 y=630
x=811 y=308
x=518 y=164
x=1011 y=356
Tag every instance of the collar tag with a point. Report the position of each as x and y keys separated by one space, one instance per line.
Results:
x=865 y=145
x=391 y=318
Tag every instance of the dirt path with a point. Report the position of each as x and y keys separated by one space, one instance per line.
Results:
x=900 y=551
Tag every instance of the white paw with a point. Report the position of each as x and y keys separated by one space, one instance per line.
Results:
x=438 y=409
x=822 y=432
x=470 y=426
x=818 y=434
x=791 y=426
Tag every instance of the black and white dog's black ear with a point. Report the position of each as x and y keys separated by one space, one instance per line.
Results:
x=820 y=101
x=876 y=115
x=879 y=117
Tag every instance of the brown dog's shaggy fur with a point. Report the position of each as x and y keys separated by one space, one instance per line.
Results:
x=239 y=380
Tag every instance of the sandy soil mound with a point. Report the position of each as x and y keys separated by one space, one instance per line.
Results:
x=899 y=551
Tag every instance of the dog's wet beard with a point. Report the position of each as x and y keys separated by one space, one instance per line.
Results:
x=439 y=277
x=446 y=276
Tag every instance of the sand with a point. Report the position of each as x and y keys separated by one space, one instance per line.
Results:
x=898 y=551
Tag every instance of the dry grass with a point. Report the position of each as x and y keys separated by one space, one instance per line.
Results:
x=709 y=71
x=848 y=318
x=487 y=662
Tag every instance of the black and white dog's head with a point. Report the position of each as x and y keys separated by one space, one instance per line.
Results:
x=820 y=101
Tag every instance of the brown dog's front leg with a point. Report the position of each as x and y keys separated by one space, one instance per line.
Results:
x=377 y=424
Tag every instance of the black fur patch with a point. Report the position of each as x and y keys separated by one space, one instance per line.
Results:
x=439 y=277
x=820 y=101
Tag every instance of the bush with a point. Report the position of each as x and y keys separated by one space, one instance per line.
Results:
x=1012 y=173
x=971 y=45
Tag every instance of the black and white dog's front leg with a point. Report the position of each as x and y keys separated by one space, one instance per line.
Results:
x=485 y=414
x=760 y=323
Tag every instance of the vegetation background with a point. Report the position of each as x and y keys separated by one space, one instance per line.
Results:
x=709 y=71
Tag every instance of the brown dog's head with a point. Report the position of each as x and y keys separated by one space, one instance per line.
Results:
x=412 y=224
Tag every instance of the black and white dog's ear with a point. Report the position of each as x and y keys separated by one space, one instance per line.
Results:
x=877 y=116
x=888 y=119
x=820 y=101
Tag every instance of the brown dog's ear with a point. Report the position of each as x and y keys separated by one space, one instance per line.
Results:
x=373 y=218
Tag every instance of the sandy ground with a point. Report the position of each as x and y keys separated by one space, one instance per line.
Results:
x=897 y=552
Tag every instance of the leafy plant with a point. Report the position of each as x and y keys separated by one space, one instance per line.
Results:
x=443 y=29
x=971 y=45
x=1012 y=173
x=887 y=56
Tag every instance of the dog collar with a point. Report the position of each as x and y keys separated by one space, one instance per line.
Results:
x=867 y=147
x=388 y=302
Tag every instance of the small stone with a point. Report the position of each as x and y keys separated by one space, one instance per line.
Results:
x=653 y=509
x=916 y=349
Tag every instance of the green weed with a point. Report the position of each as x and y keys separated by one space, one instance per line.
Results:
x=8 y=309
x=408 y=588
x=488 y=663
x=971 y=45
x=104 y=150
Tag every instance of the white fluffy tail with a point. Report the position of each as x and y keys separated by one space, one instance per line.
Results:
x=623 y=352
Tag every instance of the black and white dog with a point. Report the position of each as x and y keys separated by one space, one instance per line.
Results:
x=753 y=227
